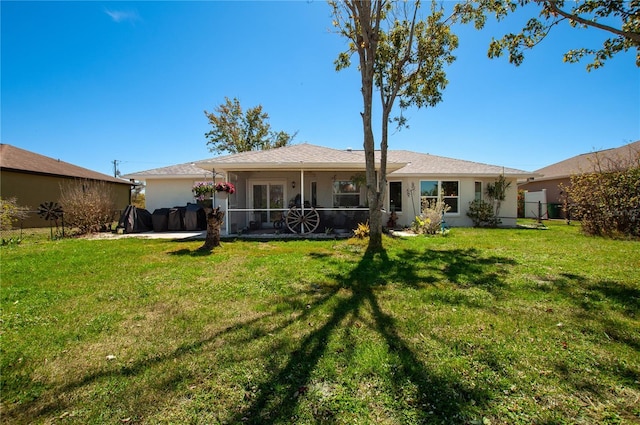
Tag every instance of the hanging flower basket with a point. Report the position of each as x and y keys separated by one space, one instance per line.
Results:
x=225 y=187
x=204 y=190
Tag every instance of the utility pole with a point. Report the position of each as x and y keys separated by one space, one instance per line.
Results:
x=116 y=172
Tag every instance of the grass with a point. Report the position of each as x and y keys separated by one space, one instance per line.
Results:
x=481 y=326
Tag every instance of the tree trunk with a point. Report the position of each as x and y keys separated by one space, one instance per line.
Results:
x=215 y=218
x=369 y=16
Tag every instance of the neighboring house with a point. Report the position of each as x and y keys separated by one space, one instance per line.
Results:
x=331 y=182
x=560 y=173
x=34 y=179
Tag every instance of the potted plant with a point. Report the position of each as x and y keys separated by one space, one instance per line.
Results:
x=225 y=187
x=203 y=190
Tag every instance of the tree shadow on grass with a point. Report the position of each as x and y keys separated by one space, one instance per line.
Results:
x=54 y=400
x=192 y=252
x=607 y=312
x=437 y=397
x=614 y=305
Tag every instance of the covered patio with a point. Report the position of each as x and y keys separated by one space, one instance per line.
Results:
x=306 y=192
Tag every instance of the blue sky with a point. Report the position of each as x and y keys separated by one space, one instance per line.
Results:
x=93 y=82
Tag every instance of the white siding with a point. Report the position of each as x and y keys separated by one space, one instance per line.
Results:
x=508 y=209
x=167 y=193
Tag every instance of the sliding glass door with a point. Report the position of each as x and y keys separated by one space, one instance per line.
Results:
x=267 y=197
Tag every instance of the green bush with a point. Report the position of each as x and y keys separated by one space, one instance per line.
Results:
x=482 y=215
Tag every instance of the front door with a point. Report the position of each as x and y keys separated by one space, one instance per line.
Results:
x=268 y=197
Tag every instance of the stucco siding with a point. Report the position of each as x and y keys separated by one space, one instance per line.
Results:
x=167 y=193
x=466 y=187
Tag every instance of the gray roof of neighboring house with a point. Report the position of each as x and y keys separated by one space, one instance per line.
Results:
x=20 y=160
x=186 y=170
x=606 y=159
x=312 y=157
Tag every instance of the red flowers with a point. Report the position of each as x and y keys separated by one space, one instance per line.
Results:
x=225 y=187
x=203 y=189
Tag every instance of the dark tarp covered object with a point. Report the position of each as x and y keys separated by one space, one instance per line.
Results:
x=176 y=218
x=160 y=219
x=135 y=220
x=195 y=217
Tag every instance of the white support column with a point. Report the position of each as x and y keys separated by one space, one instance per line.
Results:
x=226 y=210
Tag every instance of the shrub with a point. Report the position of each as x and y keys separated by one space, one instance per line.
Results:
x=10 y=212
x=607 y=203
x=497 y=192
x=521 y=206
x=430 y=220
x=482 y=215
x=87 y=204
x=362 y=231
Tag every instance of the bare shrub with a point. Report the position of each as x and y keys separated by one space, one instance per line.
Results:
x=431 y=218
x=88 y=205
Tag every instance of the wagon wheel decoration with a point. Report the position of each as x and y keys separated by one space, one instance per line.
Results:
x=50 y=211
x=302 y=221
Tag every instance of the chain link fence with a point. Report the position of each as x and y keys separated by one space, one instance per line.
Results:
x=33 y=227
x=543 y=210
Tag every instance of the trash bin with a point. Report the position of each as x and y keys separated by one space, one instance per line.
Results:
x=554 y=210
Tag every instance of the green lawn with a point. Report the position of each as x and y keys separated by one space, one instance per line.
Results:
x=481 y=326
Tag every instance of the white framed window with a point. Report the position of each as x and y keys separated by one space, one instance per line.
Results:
x=346 y=193
x=478 y=191
x=447 y=190
x=428 y=193
x=450 y=195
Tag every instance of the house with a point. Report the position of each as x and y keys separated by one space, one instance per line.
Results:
x=170 y=186
x=325 y=187
x=547 y=187
x=34 y=179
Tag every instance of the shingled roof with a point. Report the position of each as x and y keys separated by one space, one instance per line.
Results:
x=421 y=164
x=586 y=162
x=290 y=158
x=186 y=170
x=20 y=160
x=399 y=163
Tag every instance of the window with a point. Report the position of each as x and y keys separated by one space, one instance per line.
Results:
x=346 y=194
x=448 y=191
x=395 y=196
x=428 y=193
x=478 y=196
